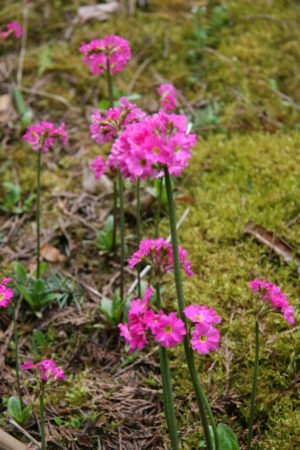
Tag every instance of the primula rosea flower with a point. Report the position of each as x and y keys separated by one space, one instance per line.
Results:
x=112 y=49
x=145 y=147
x=44 y=135
x=6 y=294
x=98 y=166
x=272 y=294
x=158 y=253
x=135 y=331
x=46 y=368
x=12 y=29
x=205 y=338
x=105 y=129
x=167 y=93
x=169 y=330
x=201 y=314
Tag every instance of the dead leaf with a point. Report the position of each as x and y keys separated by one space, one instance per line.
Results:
x=186 y=199
x=276 y=244
x=51 y=254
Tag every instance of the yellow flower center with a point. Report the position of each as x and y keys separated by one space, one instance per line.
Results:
x=168 y=329
x=156 y=150
x=203 y=338
x=198 y=318
x=1 y=297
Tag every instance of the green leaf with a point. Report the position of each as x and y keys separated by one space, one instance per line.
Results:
x=58 y=421
x=106 y=306
x=14 y=408
x=26 y=413
x=12 y=192
x=45 y=59
x=20 y=271
x=39 y=337
x=227 y=438
x=23 y=291
x=43 y=268
x=75 y=423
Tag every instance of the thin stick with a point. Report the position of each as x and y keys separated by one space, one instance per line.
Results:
x=24 y=432
x=23 y=44
x=148 y=267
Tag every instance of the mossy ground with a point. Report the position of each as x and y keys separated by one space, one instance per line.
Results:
x=240 y=84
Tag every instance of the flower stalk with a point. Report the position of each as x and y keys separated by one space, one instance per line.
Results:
x=254 y=383
x=167 y=387
x=42 y=413
x=17 y=353
x=180 y=297
x=122 y=232
x=138 y=226
x=38 y=237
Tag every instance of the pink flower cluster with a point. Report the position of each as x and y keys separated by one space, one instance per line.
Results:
x=6 y=294
x=167 y=93
x=12 y=29
x=272 y=294
x=44 y=135
x=98 y=166
x=46 y=368
x=205 y=337
x=166 y=329
x=112 y=50
x=158 y=252
x=105 y=129
x=144 y=148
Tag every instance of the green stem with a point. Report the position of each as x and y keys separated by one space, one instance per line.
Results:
x=115 y=200
x=122 y=231
x=167 y=387
x=43 y=439
x=17 y=354
x=115 y=194
x=255 y=372
x=109 y=85
x=138 y=226
x=38 y=241
x=187 y=349
x=158 y=207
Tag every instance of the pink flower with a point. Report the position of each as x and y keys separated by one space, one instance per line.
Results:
x=46 y=368
x=205 y=338
x=158 y=253
x=98 y=166
x=28 y=365
x=201 y=314
x=135 y=332
x=169 y=330
x=12 y=29
x=112 y=50
x=167 y=93
x=44 y=135
x=272 y=294
x=105 y=129
x=144 y=148
x=6 y=294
